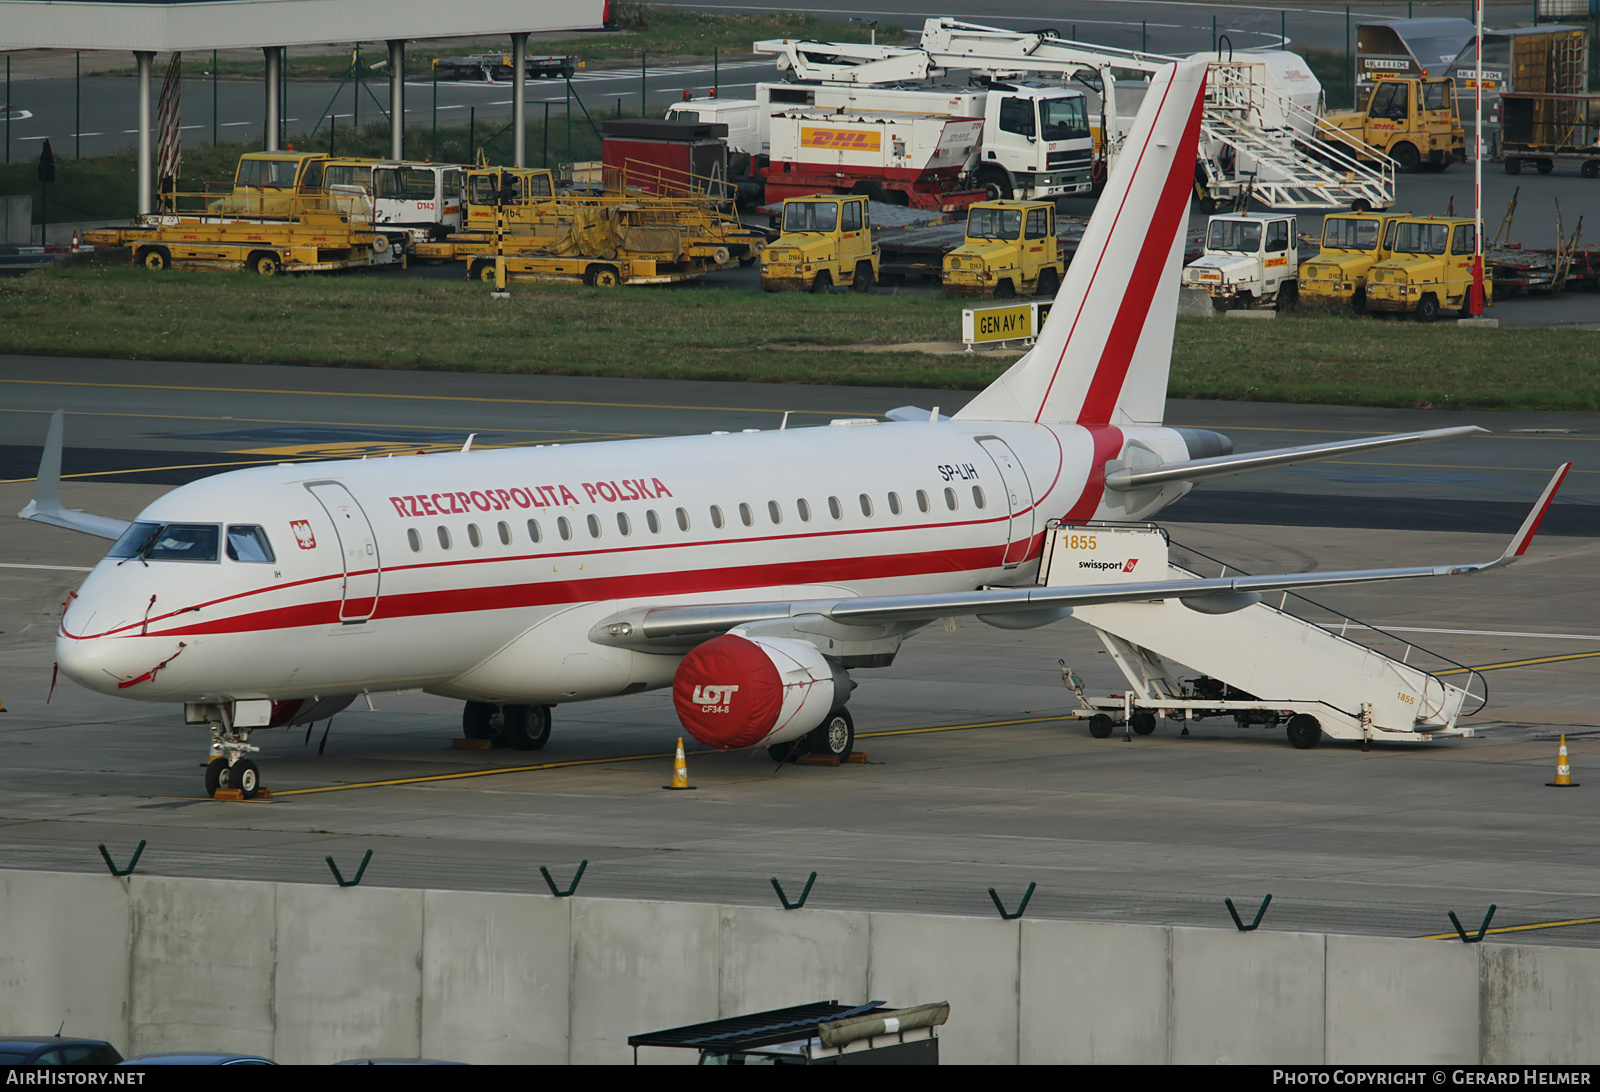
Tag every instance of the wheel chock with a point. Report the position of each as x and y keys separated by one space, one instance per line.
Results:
x=472 y=744
x=817 y=760
x=858 y=756
x=238 y=795
x=228 y=794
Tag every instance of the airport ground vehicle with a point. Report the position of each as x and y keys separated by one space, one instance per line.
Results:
x=604 y=245
x=750 y=572
x=490 y=67
x=411 y=202
x=826 y=241
x=1539 y=131
x=1413 y=121
x=54 y=1050
x=1251 y=260
x=1258 y=122
x=1352 y=242
x=1010 y=249
x=305 y=233
x=1429 y=269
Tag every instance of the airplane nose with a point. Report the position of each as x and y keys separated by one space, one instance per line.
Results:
x=100 y=663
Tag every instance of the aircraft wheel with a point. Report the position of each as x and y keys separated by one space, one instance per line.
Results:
x=1142 y=723
x=246 y=778
x=478 y=720
x=1304 y=731
x=835 y=736
x=1100 y=726
x=216 y=775
x=527 y=727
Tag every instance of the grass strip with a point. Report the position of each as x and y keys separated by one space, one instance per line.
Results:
x=698 y=332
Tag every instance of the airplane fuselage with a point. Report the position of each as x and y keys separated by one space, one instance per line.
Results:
x=481 y=575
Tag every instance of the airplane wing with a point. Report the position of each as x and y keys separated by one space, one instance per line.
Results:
x=1193 y=470
x=644 y=627
x=45 y=507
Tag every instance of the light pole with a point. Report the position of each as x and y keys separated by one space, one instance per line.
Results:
x=1475 y=303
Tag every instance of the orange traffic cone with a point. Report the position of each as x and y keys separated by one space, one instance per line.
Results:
x=680 y=770
x=74 y=240
x=1563 y=771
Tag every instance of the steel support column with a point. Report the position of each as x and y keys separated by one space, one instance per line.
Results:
x=274 y=80
x=397 y=99
x=143 y=60
x=519 y=99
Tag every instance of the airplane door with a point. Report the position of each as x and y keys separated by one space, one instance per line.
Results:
x=1018 y=496
x=358 y=547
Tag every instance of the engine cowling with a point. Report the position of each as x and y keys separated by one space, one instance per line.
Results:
x=742 y=691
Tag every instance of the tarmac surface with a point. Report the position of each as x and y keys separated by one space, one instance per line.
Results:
x=974 y=779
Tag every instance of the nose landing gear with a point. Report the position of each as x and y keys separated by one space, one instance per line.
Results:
x=228 y=768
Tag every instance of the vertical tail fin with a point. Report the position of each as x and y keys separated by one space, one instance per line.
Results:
x=1104 y=352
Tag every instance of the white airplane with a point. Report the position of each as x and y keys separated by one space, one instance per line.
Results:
x=749 y=572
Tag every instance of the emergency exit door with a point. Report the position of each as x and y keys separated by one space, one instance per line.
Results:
x=358 y=547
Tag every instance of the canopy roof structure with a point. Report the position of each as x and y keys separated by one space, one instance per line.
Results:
x=240 y=24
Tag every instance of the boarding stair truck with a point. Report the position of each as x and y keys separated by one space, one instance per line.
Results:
x=1414 y=122
x=1250 y=260
x=1352 y=243
x=1429 y=270
x=1291 y=663
x=826 y=241
x=1258 y=126
x=1010 y=249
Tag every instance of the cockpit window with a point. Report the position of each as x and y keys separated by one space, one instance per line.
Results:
x=247 y=542
x=168 y=542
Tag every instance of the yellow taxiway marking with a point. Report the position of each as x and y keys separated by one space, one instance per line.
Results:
x=1516 y=928
x=427 y=778
x=463 y=429
x=1519 y=663
x=416 y=397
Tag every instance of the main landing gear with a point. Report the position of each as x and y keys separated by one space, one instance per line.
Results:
x=520 y=727
x=228 y=768
x=835 y=736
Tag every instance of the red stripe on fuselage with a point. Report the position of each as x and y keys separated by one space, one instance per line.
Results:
x=1107 y=441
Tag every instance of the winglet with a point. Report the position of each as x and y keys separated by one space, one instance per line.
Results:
x=1525 y=533
x=45 y=507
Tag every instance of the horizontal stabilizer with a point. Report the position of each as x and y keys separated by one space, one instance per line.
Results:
x=1220 y=466
x=916 y=413
x=45 y=507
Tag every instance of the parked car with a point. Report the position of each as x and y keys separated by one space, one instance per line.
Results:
x=198 y=1057
x=54 y=1050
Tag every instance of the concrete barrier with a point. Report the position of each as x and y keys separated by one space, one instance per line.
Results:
x=308 y=973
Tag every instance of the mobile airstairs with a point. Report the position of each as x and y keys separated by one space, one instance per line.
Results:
x=1293 y=662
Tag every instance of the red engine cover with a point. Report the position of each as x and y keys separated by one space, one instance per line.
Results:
x=728 y=692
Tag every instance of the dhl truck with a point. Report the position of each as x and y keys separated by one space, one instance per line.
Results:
x=1429 y=270
x=1413 y=121
x=1352 y=242
x=1250 y=260
x=1010 y=249
x=826 y=241
x=411 y=202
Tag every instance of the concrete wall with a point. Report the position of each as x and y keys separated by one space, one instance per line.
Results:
x=311 y=973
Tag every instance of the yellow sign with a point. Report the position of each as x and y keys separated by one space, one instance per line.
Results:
x=841 y=140
x=998 y=324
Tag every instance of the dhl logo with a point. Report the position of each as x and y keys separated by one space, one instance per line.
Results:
x=842 y=140
x=1276 y=262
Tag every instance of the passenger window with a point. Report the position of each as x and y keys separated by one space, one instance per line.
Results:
x=716 y=517
x=950 y=499
x=414 y=539
x=534 y=534
x=623 y=525
x=444 y=537
x=474 y=536
x=977 y=496
x=835 y=509
x=894 y=504
x=922 y=500
x=746 y=517
x=683 y=519
x=594 y=526
x=866 y=505
x=504 y=530
x=774 y=513
x=564 y=528
x=249 y=543
x=803 y=506
x=652 y=521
